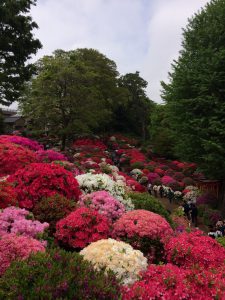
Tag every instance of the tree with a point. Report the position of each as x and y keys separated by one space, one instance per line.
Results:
x=132 y=115
x=1 y=122
x=72 y=94
x=17 y=43
x=195 y=95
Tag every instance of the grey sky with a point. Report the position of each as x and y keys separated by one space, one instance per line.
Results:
x=143 y=35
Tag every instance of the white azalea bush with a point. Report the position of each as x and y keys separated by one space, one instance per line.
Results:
x=192 y=194
x=90 y=183
x=118 y=257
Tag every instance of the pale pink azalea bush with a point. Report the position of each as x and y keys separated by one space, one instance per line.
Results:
x=104 y=203
x=194 y=248
x=14 y=247
x=13 y=220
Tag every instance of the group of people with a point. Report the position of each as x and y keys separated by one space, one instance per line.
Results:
x=218 y=230
x=167 y=193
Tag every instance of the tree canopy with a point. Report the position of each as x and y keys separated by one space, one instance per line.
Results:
x=17 y=43
x=195 y=95
x=73 y=93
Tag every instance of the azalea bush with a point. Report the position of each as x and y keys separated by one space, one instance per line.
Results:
x=23 y=141
x=15 y=220
x=52 y=209
x=116 y=256
x=104 y=203
x=14 y=157
x=8 y=195
x=170 y=282
x=144 y=230
x=194 y=248
x=57 y=275
x=50 y=155
x=97 y=182
x=14 y=247
x=82 y=227
x=148 y=202
x=39 y=180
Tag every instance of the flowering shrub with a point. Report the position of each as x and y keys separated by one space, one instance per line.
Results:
x=19 y=140
x=207 y=198
x=39 y=180
x=181 y=223
x=170 y=282
x=7 y=195
x=166 y=180
x=81 y=143
x=50 y=155
x=14 y=220
x=97 y=182
x=118 y=257
x=57 y=275
x=194 y=248
x=52 y=209
x=14 y=157
x=82 y=227
x=14 y=247
x=144 y=230
x=104 y=203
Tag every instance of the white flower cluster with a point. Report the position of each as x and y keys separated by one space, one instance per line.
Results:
x=135 y=173
x=117 y=256
x=191 y=188
x=102 y=182
x=191 y=196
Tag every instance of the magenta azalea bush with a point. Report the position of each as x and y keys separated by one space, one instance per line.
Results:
x=14 y=247
x=23 y=141
x=50 y=155
x=104 y=203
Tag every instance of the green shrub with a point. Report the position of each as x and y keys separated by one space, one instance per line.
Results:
x=221 y=241
x=148 y=202
x=57 y=275
x=137 y=165
x=53 y=209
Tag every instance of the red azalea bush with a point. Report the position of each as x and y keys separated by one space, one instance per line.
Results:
x=50 y=155
x=144 y=230
x=82 y=143
x=194 y=248
x=14 y=157
x=170 y=282
x=8 y=195
x=39 y=180
x=82 y=227
x=166 y=180
x=19 y=140
x=14 y=247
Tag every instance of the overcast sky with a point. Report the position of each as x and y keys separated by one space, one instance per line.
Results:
x=139 y=35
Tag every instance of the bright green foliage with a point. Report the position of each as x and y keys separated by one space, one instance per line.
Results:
x=147 y=202
x=221 y=241
x=73 y=93
x=133 y=114
x=16 y=46
x=195 y=96
x=57 y=275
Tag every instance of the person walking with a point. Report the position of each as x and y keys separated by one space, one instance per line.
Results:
x=149 y=188
x=170 y=195
x=161 y=191
x=194 y=214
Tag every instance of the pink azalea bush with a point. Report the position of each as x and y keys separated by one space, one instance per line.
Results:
x=104 y=203
x=144 y=230
x=82 y=227
x=13 y=220
x=170 y=282
x=50 y=155
x=194 y=248
x=14 y=247
x=23 y=141
x=166 y=180
x=39 y=180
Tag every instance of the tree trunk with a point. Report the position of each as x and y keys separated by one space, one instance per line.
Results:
x=63 y=142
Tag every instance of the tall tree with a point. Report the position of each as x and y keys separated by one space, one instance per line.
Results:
x=133 y=114
x=17 y=43
x=195 y=95
x=72 y=93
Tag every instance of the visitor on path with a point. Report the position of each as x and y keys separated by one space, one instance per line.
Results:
x=149 y=188
x=161 y=191
x=170 y=195
x=213 y=232
x=187 y=210
x=194 y=214
x=155 y=190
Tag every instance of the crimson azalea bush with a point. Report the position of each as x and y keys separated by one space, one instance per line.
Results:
x=14 y=247
x=82 y=227
x=39 y=180
x=170 y=282
x=194 y=248
x=50 y=155
x=104 y=203
x=23 y=141
x=8 y=195
x=144 y=230
x=14 y=157
x=52 y=209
